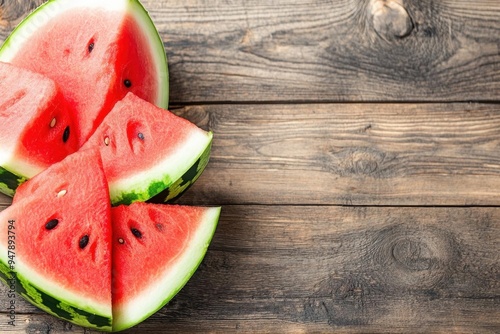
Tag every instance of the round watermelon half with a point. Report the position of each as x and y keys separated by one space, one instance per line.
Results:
x=36 y=128
x=147 y=151
x=156 y=250
x=55 y=241
x=96 y=50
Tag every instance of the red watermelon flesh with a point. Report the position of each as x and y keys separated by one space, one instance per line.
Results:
x=63 y=240
x=97 y=55
x=156 y=249
x=145 y=148
x=36 y=127
x=138 y=128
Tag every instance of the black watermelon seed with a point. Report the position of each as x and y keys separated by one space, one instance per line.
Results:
x=91 y=47
x=84 y=241
x=140 y=135
x=159 y=227
x=136 y=233
x=127 y=83
x=51 y=224
x=66 y=134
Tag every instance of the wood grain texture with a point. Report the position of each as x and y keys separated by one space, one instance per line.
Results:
x=12 y=12
x=349 y=50
x=329 y=219
x=350 y=154
x=5 y=200
x=330 y=51
x=304 y=269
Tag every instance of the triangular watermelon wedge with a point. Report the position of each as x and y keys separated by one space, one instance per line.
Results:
x=156 y=249
x=55 y=241
x=148 y=151
x=36 y=128
x=96 y=50
x=136 y=257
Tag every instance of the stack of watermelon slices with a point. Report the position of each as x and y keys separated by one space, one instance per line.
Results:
x=73 y=255
x=85 y=140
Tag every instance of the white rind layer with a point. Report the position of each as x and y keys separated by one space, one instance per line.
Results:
x=17 y=166
x=170 y=169
x=54 y=289
x=157 y=294
x=5 y=155
x=159 y=58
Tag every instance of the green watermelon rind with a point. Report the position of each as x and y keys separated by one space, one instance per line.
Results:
x=10 y=181
x=172 y=281
x=159 y=54
x=179 y=187
x=52 y=305
x=170 y=177
x=47 y=10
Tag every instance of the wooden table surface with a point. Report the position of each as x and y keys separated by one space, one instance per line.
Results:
x=356 y=157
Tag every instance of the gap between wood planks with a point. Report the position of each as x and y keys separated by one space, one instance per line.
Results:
x=174 y=105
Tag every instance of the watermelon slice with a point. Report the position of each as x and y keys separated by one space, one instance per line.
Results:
x=146 y=150
x=156 y=249
x=96 y=50
x=36 y=128
x=59 y=237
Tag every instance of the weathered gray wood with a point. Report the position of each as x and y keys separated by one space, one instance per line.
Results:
x=350 y=50
x=13 y=11
x=288 y=257
x=350 y=154
x=292 y=268
x=5 y=200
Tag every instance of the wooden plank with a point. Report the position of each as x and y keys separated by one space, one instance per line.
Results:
x=350 y=154
x=5 y=200
x=284 y=50
x=302 y=269
x=323 y=50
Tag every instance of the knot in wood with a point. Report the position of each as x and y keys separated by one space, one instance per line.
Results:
x=390 y=19
x=361 y=162
x=412 y=254
x=414 y=258
x=196 y=114
x=365 y=165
